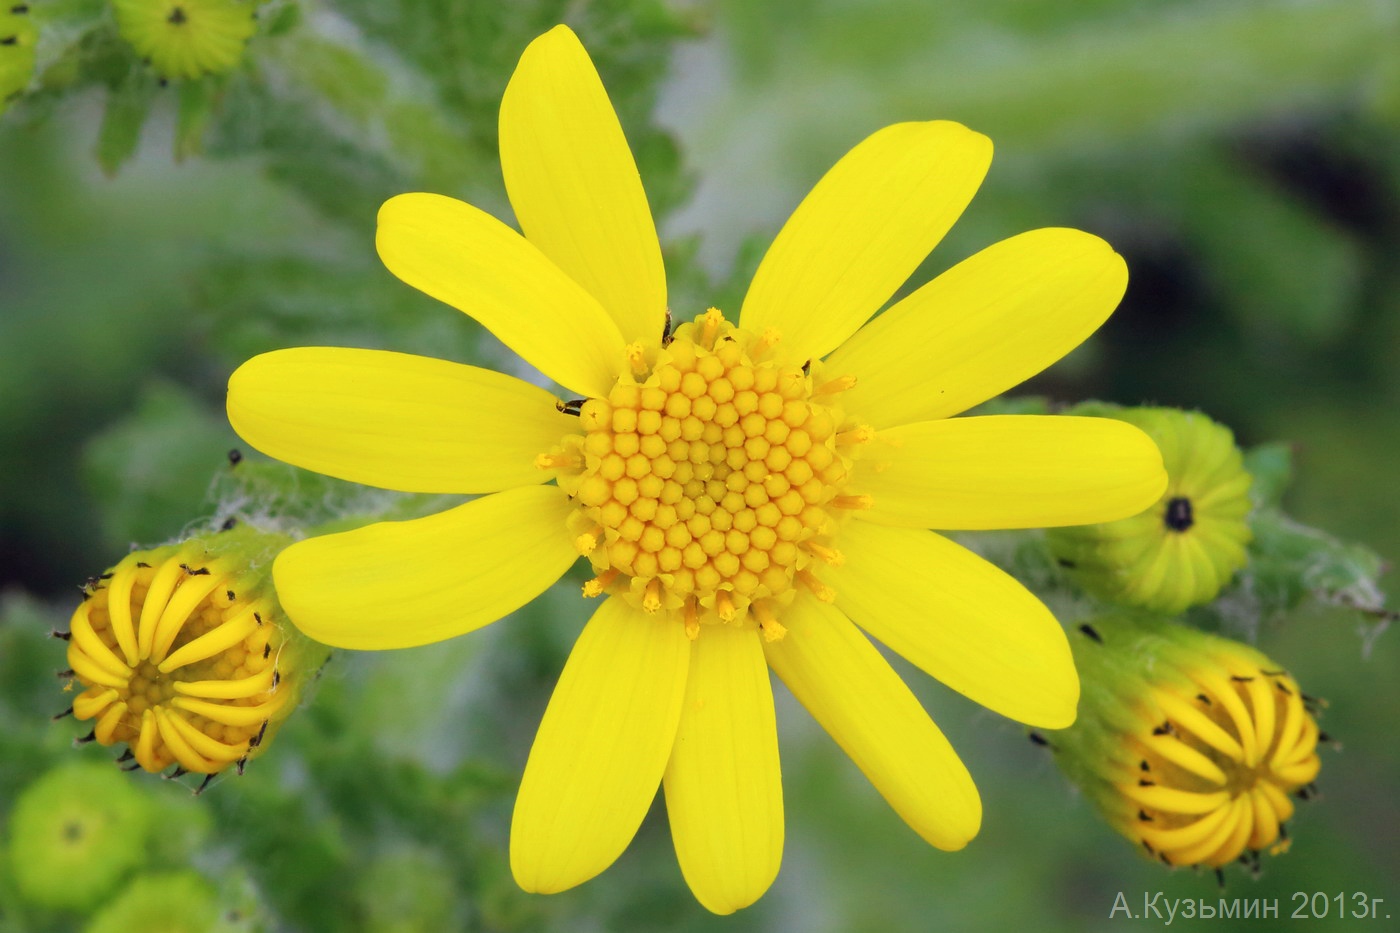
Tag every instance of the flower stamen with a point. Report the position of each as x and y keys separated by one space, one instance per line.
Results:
x=705 y=475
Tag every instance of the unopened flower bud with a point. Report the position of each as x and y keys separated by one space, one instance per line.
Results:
x=178 y=900
x=75 y=834
x=184 y=655
x=17 y=38
x=1190 y=744
x=1184 y=549
x=186 y=38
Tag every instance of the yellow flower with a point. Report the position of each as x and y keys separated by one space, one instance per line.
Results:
x=749 y=494
x=186 y=38
x=1189 y=743
x=1184 y=549
x=183 y=655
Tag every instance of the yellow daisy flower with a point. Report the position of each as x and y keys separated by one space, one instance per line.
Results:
x=750 y=494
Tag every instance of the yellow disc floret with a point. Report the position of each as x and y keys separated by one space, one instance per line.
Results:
x=179 y=657
x=709 y=479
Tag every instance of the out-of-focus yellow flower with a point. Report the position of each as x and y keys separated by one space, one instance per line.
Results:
x=183 y=654
x=186 y=38
x=750 y=493
x=1184 y=548
x=17 y=37
x=1189 y=743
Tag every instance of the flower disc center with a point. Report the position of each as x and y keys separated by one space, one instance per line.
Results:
x=708 y=478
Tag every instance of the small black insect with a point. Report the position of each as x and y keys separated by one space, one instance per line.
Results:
x=235 y=457
x=571 y=407
x=195 y=571
x=1089 y=630
x=229 y=524
x=666 y=329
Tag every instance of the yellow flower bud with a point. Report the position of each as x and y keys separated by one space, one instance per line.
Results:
x=1190 y=744
x=183 y=654
x=17 y=38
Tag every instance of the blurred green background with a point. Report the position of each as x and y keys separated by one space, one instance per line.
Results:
x=1243 y=155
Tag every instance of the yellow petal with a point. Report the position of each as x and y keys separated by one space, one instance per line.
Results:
x=1009 y=471
x=601 y=749
x=398 y=584
x=961 y=619
x=989 y=323
x=575 y=186
x=724 y=795
x=858 y=698
x=861 y=231
x=472 y=261
x=395 y=421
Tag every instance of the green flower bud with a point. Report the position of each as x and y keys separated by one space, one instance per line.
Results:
x=185 y=655
x=186 y=38
x=75 y=833
x=17 y=37
x=1189 y=744
x=169 y=902
x=1184 y=549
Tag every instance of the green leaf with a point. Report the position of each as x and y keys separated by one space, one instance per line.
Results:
x=1290 y=561
x=128 y=105
x=150 y=472
x=1271 y=465
x=197 y=99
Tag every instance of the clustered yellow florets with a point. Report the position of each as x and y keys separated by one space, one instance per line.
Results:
x=1216 y=767
x=709 y=479
x=179 y=660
